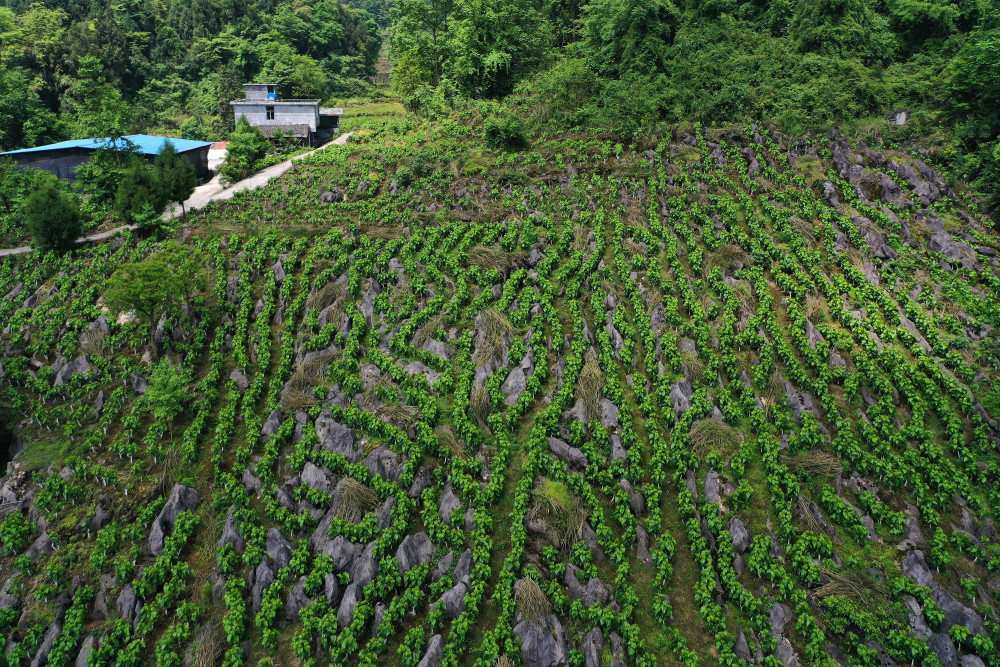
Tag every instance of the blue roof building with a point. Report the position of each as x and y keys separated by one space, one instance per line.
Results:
x=63 y=158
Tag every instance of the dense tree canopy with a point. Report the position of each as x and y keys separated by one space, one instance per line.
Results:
x=72 y=69
x=635 y=66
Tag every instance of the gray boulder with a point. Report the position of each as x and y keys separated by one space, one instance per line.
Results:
x=263 y=577
x=421 y=481
x=592 y=645
x=454 y=601
x=336 y=437
x=48 y=641
x=86 y=648
x=642 y=545
x=680 y=396
x=573 y=457
x=242 y=383
x=385 y=462
x=742 y=539
x=272 y=424
x=182 y=499
x=786 y=654
x=463 y=569
x=278 y=548
x=780 y=614
x=231 y=534
x=414 y=550
x=608 y=414
x=448 y=503
x=540 y=645
x=102 y=513
x=317 y=478
x=944 y=648
x=296 y=601
x=345 y=613
x=432 y=656
x=80 y=365
x=589 y=594
x=331 y=589
x=365 y=567
x=712 y=487
x=129 y=605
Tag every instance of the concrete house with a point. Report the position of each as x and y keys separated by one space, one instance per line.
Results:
x=300 y=119
x=64 y=157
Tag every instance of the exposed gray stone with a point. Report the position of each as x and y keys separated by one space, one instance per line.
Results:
x=433 y=654
x=573 y=457
x=540 y=645
x=182 y=499
x=414 y=550
x=742 y=540
x=385 y=462
x=296 y=601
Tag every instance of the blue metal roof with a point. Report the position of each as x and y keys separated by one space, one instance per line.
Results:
x=144 y=143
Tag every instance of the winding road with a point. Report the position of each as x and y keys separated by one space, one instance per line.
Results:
x=203 y=194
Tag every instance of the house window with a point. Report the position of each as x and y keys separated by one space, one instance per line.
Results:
x=270 y=112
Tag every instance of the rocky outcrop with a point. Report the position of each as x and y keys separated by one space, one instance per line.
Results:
x=182 y=499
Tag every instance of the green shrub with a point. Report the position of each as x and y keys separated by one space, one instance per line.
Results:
x=506 y=133
x=52 y=216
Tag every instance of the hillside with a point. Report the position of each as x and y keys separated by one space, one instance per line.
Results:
x=729 y=398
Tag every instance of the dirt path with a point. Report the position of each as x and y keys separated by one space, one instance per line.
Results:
x=211 y=191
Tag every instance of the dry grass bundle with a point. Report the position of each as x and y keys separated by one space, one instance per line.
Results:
x=94 y=343
x=490 y=258
x=814 y=308
x=805 y=511
x=633 y=247
x=590 y=386
x=353 y=498
x=207 y=648
x=653 y=298
x=531 y=600
x=402 y=415
x=815 y=464
x=370 y=397
x=708 y=435
x=449 y=439
x=579 y=238
x=503 y=661
x=854 y=586
x=729 y=255
x=480 y=403
x=493 y=328
x=855 y=257
x=400 y=293
x=298 y=392
x=327 y=295
x=806 y=228
x=773 y=392
x=694 y=365
x=635 y=216
x=427 y=329
x=564 y=512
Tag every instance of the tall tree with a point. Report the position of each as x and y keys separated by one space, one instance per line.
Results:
x=175 y=175
x=158 y=284
x=52 y=216
x=422 y=27
x=140 y=198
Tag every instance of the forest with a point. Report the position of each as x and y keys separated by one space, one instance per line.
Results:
x=607 y=334
x=86 y=69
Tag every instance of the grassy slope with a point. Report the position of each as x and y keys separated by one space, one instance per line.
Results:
x=468 y=222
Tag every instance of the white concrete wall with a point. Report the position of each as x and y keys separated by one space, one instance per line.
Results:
x=284 y=114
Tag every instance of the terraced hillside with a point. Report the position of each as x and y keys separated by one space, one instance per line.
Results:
x=729 y=400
